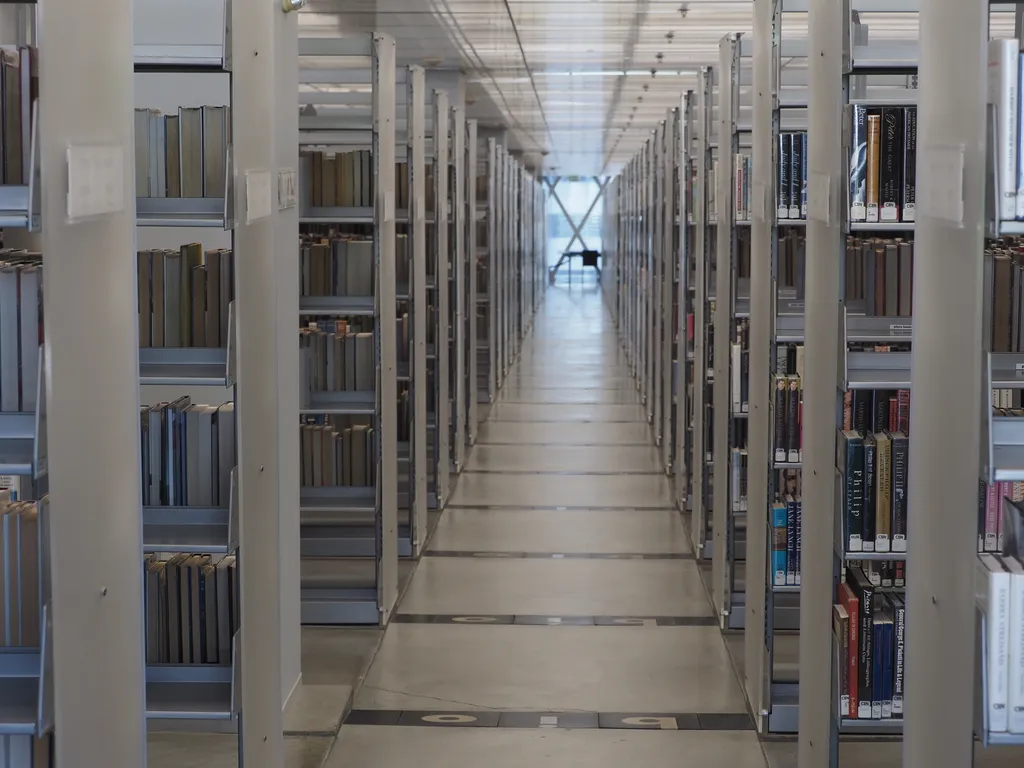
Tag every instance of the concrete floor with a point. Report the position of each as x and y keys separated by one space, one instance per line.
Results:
x=564 y=465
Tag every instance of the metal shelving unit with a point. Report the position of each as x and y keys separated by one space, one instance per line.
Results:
x=351 y=536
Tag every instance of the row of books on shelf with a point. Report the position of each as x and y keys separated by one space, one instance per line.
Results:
x=883 y=164
x=877 y=410
x=19 y=572
x=1005 y=76
x=184 y=155
x=191 y=609
x=341 y=266
x=789 y=409
x=739 y=469
x=869 y=638
x=21 y=329
x=873 y=470
x=184 y=296
x=339 y=359
x=999 y=593
x=787 y=513
x=338 y=451
x=19 y=751
x=880 y=272
x=996 y=504
x=740 y=367
x=188 y=453
x=791 y=176
x=743 y=169
x=1007 y=297
x=19 y=89
x=346 y=179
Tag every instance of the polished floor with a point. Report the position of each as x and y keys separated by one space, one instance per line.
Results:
x=558 y=614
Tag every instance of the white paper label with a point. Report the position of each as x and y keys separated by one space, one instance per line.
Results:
x=95 y=180
x=258 y=195
x=287 y=188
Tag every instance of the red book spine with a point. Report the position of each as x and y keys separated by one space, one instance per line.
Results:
x=852 y=605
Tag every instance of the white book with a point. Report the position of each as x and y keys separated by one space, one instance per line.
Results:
x=157 y=155
x=992 y=588
x=1015 y=677
x=1002 y=91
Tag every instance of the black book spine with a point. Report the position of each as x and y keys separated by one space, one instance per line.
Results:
x=891 y=170
x=858 y=163
x=793 y=419
x=745 y=380
x=900 y=468
x=785 y=151
x=900 y=632
x=865 y=593
x=803 y=175
x=862 y=410
x=781 y=442
x=853 y=488
x=868 y=518
x=795 y=175
x=880 y=412
x=909 y=162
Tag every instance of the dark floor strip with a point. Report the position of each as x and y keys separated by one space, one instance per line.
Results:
x=644 y=443
x=667 y=508
x=561 y=555
x=566 y=472
x=556 y=621
x=648 y=721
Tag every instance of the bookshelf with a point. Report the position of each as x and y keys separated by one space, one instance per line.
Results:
x=473 y=275
x=681 y=387
x=700 y=494
x=458 y=270
x=351 y=533
x=488 y=228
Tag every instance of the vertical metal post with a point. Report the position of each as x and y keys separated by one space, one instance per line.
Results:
x=416 y=128
x=938 y=724
x=286 y=139
x=682 y=464
x=647 y=252
x=761 y=329
x=698 y=463
x=728 y=93
x=667 y=201
x=493 y=230
x=441 y=345
x=825 y=239
x=658 y=306
x=92 y=359
x=459 y=260
x=387 y=383
x=473 y=152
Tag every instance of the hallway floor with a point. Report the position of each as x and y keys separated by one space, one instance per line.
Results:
x=558 y=617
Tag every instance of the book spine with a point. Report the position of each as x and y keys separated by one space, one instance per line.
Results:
x=795 y=175
x=841 y=631
x=785 y=150
x=871 y=194
x=998 y=646
x=1006 y=65
x=883 y=499
x=887 y=653
x=792 y=417
x=853 y=481
x=866 y=597
x=877 y=669
x=780 y=419
x=858 y=163
x=853 y=659
x=799 y=525
x=903 y=411
x=900 y=466
x=991 y=513
x=868 y=517
x=899 y=641
x=790 y=542
x=779 y=544
x=909 y=163
x=891 y=167
x=803 y=175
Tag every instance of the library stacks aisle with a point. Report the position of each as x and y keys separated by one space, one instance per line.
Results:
x=558 y=616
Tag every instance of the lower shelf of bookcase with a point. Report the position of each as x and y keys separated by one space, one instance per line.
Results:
x=186 y=529
x=339 y=591
x=892 y=727
x=189 y=692
x=19 y=705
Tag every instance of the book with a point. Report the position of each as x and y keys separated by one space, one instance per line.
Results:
x=796 y=175
x=908 y=199
x=779 y=543
x=869 y=513
x=992 y=586
x=850 y=463
x=864 y=591
x=848 y=600
x=858 y=163
x=1003 y=73
x=872 y=178
x=783 y=170
x=883 y=495
x=899 y=610
x=900 y=469
x=1015 y=643
x=841 y=632
x=891 y=165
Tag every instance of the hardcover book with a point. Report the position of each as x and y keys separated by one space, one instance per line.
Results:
x=891 y=165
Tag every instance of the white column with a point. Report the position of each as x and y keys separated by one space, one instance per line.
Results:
x=945 y=369
x=92 y=392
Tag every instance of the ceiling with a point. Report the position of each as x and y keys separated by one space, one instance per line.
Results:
x=578 y=83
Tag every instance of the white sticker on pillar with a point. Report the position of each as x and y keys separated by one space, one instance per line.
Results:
x=819 y=193
x=943 y=196
x=287 y=188
x=258 y=195
x=95 y=180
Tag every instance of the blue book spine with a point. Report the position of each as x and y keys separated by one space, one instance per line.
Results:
x=877 y=669
x=779 y=543
x=790 y=541
x=803 y=177
x=887 y=671
x=799 y=522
